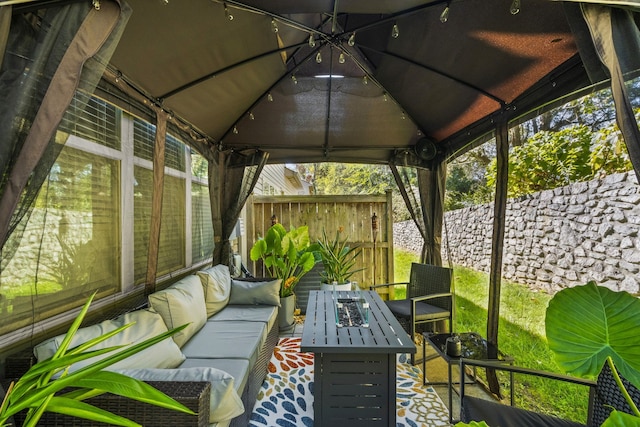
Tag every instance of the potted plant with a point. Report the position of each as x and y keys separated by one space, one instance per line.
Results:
x=38 y=391
x=287 y=255
x=338 y=260
x=588 y=326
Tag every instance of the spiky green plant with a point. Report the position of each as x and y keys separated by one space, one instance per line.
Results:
x=39 y=391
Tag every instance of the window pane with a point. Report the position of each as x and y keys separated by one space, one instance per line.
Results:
x=71 y=246
x=143 y=139
x=199 y=166
x=175 y=154
x=144 y=135
x=99 y=122
x=201 y=226
x=172 y=241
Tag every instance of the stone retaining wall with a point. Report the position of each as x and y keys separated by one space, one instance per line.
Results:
x=554 y=239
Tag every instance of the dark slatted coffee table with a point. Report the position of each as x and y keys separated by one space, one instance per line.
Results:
x=355 y=367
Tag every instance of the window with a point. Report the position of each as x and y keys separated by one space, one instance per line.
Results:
x=98 y=122
x=201 y=225
x=71 y=245
x=172 y=237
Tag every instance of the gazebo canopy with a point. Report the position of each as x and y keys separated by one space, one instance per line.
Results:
x=350 y=81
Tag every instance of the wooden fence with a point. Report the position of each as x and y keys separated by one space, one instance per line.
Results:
x=352 y=214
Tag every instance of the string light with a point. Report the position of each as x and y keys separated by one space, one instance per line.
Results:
x=515 y=7
x=227 y=14
x=352 y=39
x=318 y=57
x=395 y=31
x=444 y=16
x=312 y=41
x=269 y=97
x=274 y=26
x=341 y=58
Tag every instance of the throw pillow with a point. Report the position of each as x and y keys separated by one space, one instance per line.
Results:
x=146 y=324
x=216 y=282
x=255 y=292
x=225 y=402
x=181 y=303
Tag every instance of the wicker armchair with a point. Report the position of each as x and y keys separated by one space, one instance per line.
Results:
x=429 y=299
x=604 y=396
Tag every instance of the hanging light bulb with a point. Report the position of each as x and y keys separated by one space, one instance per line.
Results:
x=515 y=7
x=312 y=41
x=227 y=14
x=235 y=130
x=395 y=31
x=274 y=26
x=251 y=116
x=444 y=16
x=294 y=79
x=365 y=80
x=341 y=58
x=352 y=39
x=318 y=57
x=269 y=97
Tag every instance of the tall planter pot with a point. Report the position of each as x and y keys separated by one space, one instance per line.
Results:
x=285 y=314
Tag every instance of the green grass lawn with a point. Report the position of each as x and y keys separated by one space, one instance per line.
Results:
x=521 y=335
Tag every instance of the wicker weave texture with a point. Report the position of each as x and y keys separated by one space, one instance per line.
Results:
x=609 y=396
x=426 y=279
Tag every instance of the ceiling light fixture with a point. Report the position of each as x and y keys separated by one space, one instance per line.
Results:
x=352 y=39
x=274 y=25
x=444 y=16
x=251 y=116
x=385 y=98
x=365 y=80
x=294 y=79
x=341 y=58
x=312 y=41
x=235 y=130
x=515 y=7
x=395 y=31
x=269 y=97
x=318 y=57
x=329 y=76
x=227 y=14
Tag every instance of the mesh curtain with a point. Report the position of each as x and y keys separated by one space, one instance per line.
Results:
x=427 y=209
x=49 y=56
x=232 y=178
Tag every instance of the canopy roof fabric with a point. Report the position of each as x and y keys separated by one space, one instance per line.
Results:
x=245 y=74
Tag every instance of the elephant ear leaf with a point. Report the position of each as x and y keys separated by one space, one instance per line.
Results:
x=586 y=324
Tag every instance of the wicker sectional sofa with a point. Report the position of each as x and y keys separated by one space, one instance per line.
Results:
x=215 y=366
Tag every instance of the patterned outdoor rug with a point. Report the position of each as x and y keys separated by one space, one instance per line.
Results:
x=286 y=398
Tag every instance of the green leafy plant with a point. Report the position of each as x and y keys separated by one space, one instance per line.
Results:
x=337 y=258
x=287 y=255
x=588 y=326
x=37 y=391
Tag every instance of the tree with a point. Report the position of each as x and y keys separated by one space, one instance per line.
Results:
x=554 y=159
